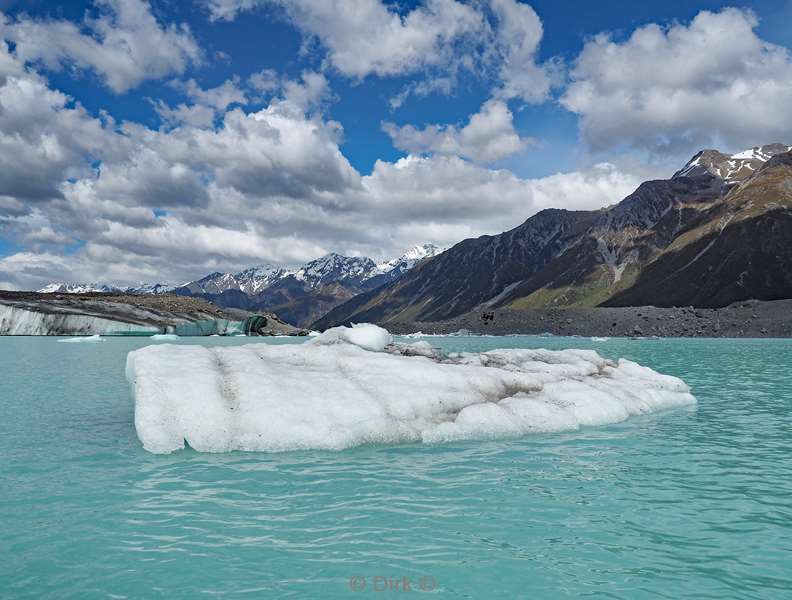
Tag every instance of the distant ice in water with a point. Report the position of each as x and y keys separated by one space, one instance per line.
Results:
x=368 y=337
x=90 y=338
x=599 y=339
x=164 y=337
x=353 y=385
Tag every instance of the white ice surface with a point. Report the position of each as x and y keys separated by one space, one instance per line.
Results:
x=164 y=337
x=333 y=393
x=364 y=335
x=90 y=338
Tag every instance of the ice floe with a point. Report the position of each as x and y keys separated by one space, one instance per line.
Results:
x=90 y=338
x=353 y=386
x=164 y=337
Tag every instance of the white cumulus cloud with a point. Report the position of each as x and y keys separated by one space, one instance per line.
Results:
x=671 y=88
x=125 y=44
x=488 y=136
x=437 y=39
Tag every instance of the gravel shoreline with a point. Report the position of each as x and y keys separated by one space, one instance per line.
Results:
x=750 y=319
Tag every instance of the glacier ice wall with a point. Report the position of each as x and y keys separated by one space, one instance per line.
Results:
x=350 y=387
x=18 y=321
x=206 y=327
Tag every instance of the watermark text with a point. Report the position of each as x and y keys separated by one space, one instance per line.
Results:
x=385 y=583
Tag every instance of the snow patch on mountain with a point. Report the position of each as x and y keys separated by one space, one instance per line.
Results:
x=256 y=279
x=409 y=259
x=732 y=168
x=334 y=267
x=761 y=153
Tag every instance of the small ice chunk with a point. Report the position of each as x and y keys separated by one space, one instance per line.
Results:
x=164 y=337
x=362 y=335
x=352 y=386
x=599 y=339
x=90 y=338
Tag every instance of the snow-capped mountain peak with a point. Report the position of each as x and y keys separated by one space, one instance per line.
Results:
x=84 y=288
x=409 y=259
x=54 y=288
x=732 y=168
x=761 y=153
x=77 y=288
x=150 y=288
x=256 y=279
x=334 y=267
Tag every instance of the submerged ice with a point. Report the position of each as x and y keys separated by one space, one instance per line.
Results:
x=353 y=386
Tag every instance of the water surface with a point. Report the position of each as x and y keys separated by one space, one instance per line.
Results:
x=684 y=504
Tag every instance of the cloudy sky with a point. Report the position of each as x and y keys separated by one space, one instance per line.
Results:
x=158 y=140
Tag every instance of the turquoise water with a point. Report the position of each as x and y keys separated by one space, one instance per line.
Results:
x=685 y=504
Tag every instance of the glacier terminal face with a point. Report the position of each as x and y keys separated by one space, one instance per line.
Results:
x=58 y=320
x=19 y=321
x=354 y=386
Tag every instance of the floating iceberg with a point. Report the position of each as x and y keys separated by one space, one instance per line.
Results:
x=353 y=386
x=164 y=337
x=90 y=338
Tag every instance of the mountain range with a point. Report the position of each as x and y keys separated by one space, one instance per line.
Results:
x=718 y=231
x=298 y=295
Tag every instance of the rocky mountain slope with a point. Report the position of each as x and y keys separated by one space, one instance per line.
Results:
x=737 y=248
x=472 y=272
x=718 y=231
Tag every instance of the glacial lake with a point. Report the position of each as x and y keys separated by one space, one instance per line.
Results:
x=691 y=503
